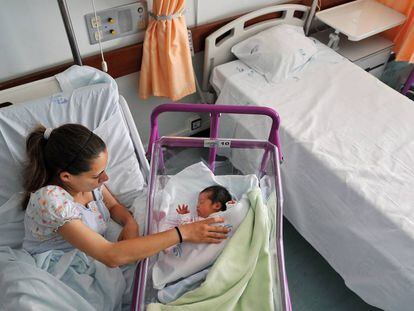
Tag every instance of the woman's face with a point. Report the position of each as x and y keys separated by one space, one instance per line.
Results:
x=94 y=178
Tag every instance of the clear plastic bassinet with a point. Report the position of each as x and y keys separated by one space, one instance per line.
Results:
x=233 y=162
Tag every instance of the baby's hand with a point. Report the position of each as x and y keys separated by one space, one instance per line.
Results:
x=182 y=209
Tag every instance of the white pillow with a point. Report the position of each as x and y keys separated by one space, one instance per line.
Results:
x=276 y=52
x=125 y=177
x=96 y=107
x=195 y=257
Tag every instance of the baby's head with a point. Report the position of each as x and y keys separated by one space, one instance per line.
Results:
x=211 y=200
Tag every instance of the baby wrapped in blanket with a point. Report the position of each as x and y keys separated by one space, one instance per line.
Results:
x=241 y=278
x=211 y=200
x=190 y=258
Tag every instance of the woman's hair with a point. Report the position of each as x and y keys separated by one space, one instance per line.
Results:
x=70 y=148
x=218 y=194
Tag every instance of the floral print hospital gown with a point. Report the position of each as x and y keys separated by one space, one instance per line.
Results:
x=51 y=207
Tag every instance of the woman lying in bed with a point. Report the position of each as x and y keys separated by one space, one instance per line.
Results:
x=68 y=205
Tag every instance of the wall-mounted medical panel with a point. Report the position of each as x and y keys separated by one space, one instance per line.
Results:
x=117 y=22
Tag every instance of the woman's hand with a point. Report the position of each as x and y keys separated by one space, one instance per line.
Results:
x=203 y=231
x=129 y=231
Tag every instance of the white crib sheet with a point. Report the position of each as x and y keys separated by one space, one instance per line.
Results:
x=348 y=172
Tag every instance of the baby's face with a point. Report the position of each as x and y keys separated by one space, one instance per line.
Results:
x=205 y=206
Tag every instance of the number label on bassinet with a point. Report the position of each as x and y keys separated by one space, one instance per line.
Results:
x=217 y=143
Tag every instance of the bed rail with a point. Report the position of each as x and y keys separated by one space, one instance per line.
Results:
x=215 y=111
x=218 y=44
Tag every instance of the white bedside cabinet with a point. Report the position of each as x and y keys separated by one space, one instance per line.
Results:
x=355 y=28
x=371 y=54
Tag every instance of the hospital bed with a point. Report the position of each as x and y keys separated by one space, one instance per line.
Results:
x=348 y=156
x=78 y=95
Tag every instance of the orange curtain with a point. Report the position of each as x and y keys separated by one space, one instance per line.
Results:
x=166 y=68
x=403 y=36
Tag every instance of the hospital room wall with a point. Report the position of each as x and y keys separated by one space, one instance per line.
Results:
x=36 y=41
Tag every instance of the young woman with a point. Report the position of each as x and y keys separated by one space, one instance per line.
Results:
x=68 y=204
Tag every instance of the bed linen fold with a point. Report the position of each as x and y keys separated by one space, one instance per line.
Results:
x=56 y=280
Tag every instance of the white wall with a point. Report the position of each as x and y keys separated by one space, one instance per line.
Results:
x=170 y=123
x=33 y=38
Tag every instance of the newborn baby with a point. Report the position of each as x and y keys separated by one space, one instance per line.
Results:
x=210 y=200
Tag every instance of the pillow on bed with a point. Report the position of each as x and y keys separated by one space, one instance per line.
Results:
x=94 y=106
x=125 y=177
x=276 y=52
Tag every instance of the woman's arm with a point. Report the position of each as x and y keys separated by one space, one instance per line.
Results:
x=126 y=251
x=121 y=215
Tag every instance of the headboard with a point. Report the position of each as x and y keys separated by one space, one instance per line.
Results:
x=219 y=43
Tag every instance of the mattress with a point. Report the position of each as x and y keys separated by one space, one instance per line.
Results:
x=348 y=148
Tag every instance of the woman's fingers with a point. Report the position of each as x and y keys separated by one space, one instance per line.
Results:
x=214 y=220
x=219 y=236
x=204 y=232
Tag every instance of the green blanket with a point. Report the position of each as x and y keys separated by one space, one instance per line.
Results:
x=241 y=278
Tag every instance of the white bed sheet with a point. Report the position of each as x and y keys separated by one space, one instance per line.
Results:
x=348 y=176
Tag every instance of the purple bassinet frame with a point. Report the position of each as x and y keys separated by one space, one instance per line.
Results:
x=215 y=111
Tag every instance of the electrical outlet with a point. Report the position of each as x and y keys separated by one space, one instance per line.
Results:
x=98 y=34
x=96 y=22
x=118 y=21
x=194 y=122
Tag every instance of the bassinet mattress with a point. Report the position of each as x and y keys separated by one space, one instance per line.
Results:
x=348 y=170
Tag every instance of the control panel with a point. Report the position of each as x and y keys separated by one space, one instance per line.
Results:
x=117 y=22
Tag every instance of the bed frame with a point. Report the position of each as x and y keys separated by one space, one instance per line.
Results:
x=219 y=43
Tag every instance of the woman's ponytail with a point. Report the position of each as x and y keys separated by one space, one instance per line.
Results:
x=35 y=173
x=69 y=147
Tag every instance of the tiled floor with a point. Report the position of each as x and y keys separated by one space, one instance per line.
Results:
x=313 y=284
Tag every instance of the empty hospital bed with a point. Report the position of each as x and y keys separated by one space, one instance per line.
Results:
x=348 y=150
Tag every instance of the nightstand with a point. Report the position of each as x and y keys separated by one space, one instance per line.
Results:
x=354 y=32
x=370 y=54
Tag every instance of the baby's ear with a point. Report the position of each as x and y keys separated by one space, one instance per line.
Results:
x=217 y=206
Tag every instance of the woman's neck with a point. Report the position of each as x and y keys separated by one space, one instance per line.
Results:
x=58 y=182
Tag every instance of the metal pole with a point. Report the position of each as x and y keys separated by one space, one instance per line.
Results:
x=310 y=17
x=69 y=31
